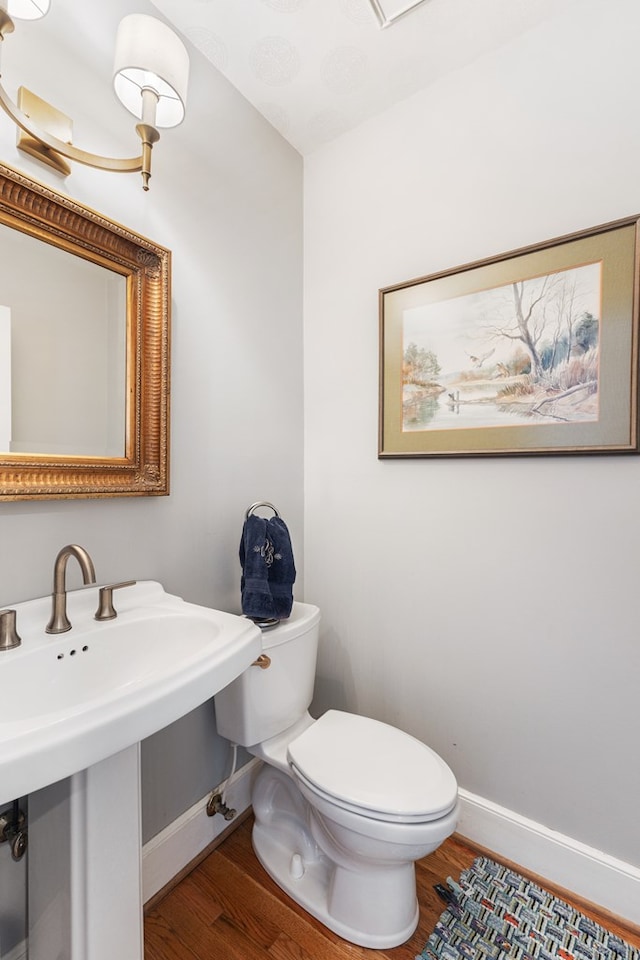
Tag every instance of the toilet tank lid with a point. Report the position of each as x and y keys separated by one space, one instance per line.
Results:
x=304 y=616
x=371 y=765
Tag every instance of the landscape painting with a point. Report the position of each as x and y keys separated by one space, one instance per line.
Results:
x=529 y=352
x=526 y=351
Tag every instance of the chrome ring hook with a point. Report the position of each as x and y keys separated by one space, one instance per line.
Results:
x=260 y=503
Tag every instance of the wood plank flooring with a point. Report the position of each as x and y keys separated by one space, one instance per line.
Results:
x=227 y=908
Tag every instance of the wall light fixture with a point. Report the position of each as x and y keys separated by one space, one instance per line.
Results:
x=151 y=74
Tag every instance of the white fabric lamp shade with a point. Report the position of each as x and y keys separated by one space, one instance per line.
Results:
x=26 y=9
x=149 y=55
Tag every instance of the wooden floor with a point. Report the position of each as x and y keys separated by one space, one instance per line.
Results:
x=227 y=908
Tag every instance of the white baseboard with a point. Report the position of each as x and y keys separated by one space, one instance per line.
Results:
x=586 y=872
x=170 y=851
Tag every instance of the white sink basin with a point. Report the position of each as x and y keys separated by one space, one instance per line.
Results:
x=69 y=701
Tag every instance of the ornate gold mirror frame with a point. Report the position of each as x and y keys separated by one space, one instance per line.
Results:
x=143 y=470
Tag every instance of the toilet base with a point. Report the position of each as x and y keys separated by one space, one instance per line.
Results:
x=375 y=907
x=312 y=891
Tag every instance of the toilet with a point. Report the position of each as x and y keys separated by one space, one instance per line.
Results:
x=343 y=805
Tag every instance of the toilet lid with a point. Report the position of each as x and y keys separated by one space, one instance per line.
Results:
x=366 y=765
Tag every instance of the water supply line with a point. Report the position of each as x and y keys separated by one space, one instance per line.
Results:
x=234 y=761
x=217 y=800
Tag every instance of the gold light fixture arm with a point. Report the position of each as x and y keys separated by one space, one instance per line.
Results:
x=149 y=135
x=145 y=47
x=6 y=23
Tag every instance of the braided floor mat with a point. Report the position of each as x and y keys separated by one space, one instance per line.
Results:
x=495 y=914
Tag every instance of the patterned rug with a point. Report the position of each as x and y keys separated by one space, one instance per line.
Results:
x=495 y=914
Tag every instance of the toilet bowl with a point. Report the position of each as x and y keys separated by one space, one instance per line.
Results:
x=343 y=805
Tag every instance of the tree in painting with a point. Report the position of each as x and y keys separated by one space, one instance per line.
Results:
x=545 y=319
x=420 y=366
x=527 y=349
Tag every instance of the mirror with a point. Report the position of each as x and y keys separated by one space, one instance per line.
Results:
x=65 y=391
x=84 y=350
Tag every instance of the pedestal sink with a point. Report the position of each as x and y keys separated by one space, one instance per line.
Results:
x=73 y=710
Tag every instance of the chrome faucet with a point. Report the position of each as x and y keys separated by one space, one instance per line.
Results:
x=59 y=622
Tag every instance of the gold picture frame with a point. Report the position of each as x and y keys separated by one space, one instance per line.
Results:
x=143 y=469
x=530 y=352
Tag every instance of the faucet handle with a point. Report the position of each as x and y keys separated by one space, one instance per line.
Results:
x=8 y=634
x=106 y=610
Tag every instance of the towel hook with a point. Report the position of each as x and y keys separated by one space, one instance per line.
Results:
x=260 y=503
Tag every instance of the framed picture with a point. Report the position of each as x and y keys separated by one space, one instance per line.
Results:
x=530 y=352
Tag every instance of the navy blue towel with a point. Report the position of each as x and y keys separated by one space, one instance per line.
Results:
x=282 y=572
x=254 y=585
x=268 y=569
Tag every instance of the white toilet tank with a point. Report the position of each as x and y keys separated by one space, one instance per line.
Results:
x=262 y=703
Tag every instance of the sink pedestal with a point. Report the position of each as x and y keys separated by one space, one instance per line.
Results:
x=69 y=701
x=85 y=862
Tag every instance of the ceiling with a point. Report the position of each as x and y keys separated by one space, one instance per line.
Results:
x=317 y=68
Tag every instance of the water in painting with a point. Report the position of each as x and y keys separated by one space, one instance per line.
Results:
x=526 y=352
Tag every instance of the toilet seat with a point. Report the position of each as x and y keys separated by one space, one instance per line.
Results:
x=372 y=769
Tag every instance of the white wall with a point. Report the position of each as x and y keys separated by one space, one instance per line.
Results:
x=5 y=377
x=487 y=606
x=225 y=197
